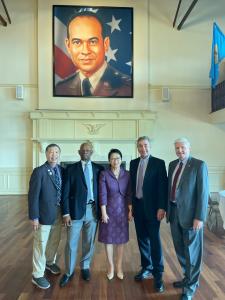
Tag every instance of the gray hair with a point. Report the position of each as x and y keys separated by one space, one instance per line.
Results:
x=143 y=138
x=182 y=140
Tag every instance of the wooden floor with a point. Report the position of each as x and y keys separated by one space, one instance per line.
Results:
x=15 y=265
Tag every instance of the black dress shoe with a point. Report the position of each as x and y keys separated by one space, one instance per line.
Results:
x=85 y=273
x=185 y=297
x=179 y=284
x=143 y=274
x=159 y=286
x=65 y=279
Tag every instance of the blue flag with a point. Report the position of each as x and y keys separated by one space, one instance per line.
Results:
x=218 y=53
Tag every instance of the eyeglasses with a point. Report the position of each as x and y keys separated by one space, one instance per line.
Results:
x=115 y=158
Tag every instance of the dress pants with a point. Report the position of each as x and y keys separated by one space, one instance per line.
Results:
x=188 y=244
x=148 y=240
x=88 y=226
x=45 y=245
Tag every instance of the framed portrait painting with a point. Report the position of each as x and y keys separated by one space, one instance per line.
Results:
x=92 y=51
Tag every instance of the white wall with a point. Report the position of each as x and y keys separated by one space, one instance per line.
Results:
x=178 y=59
x=18 y=61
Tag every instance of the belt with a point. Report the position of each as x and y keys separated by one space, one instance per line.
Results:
x=90 y=202
x=174 y=204
x=138 y=199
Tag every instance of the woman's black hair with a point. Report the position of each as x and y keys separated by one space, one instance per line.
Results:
x=114 y=151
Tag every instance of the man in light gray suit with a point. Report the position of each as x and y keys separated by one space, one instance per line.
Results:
x=187 y=209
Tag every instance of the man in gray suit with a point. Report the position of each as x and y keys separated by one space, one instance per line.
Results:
x=187 y=208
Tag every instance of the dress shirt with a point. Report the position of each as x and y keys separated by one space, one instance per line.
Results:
x=95 y=78
x=90 y=170
x=145 y=163
x=58 y=172
x=184 y=162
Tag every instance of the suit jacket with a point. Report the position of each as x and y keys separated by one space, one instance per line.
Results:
x=112 y=84
x=74 y=197
x=154 y=186
x=42 y=195
x=192 y=192
x=113 y=189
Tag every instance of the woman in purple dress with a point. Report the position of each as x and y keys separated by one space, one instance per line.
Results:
x=115 y=203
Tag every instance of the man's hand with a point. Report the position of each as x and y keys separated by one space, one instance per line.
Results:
x=35 y=224
x=197 y=224
x=160 y=214
x=67 y=221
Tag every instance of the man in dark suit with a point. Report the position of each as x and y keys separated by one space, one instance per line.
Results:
x=149 y=199
x=80 y=212
x=187 y=208
x=44 y=199
x=87 y=44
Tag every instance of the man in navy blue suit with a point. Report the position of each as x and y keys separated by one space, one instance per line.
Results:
x=80 y=212
x=44 y=198
x=149 y=201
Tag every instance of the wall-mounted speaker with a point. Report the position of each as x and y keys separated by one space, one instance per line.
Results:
x=20 y=92
x=165 y=94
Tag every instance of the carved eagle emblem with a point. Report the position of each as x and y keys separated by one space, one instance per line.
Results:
x=93 y=128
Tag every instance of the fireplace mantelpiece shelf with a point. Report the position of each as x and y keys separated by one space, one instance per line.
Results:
x=106 y=129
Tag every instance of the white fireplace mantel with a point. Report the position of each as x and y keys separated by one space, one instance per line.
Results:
x=106 y=129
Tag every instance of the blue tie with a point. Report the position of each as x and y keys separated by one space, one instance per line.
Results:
x=58 y=184
x=88 y=182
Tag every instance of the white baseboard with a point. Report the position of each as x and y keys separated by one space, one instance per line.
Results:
x=14 y=181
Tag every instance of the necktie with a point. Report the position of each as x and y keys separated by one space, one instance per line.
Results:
x=58 y=184
x=88 y=182
x=175 y=179
x=86 y=87
x=139 y=191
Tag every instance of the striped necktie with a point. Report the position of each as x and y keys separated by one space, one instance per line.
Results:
x=58 y=184
x=175 y=179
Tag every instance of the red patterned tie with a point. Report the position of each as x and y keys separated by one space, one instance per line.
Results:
x=175 y=179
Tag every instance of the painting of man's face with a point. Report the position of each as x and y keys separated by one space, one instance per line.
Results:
x=86 y=44
x=93 y=45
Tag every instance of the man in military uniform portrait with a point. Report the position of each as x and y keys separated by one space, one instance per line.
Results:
x=87 y=45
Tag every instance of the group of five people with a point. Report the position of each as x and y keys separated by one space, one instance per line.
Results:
x=84 y=193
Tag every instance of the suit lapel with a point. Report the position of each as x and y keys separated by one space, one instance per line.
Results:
x=185 y=172
x=80 y=169
x=50 y=173
x=94 y=177
x=171 y=170
x=148 y=168
x=136 y=169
